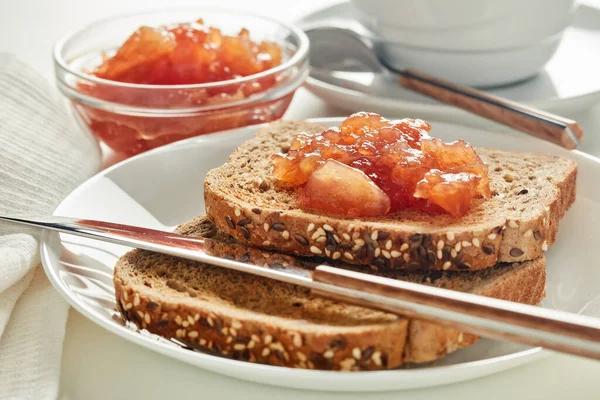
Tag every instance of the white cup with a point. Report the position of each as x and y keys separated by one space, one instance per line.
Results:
x=474 y=25
x=472 y=42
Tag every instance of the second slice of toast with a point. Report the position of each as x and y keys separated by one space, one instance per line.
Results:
x=255 y=319
x=530 y=194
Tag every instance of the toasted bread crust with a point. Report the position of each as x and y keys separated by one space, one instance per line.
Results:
x=496 y=231
x=247 y=339
x=334 y=336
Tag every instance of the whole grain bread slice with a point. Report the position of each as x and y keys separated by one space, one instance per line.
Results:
x=530 y=194
x=259 y=320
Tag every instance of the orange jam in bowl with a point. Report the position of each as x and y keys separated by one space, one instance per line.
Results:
x=141 y=81
x=370 y=166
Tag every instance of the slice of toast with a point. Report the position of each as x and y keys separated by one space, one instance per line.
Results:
x=530 y=194
x=259 y=320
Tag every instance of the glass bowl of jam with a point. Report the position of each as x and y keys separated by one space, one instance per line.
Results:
x=144 y=80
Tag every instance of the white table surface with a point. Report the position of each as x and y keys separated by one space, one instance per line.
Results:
x=99 y=365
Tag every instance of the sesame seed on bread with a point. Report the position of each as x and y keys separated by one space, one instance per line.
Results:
x=255 y=319
x=530 y=194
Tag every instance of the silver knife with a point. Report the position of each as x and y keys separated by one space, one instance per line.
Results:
x=492 y=318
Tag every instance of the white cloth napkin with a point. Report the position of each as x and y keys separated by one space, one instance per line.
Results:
x=43 y=156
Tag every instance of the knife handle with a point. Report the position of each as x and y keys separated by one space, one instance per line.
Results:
x=562 y=131
x=489 y=317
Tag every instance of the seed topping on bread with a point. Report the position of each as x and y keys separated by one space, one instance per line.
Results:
x=230 y=337
x=410 y=252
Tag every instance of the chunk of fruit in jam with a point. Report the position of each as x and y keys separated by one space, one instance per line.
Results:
x=146 y=46
x=186 y=54
x=454 y=189
x=339 y=189
x=409 y=167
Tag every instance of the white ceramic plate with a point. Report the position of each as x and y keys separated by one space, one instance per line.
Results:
x=163 y=188
x=570 y=81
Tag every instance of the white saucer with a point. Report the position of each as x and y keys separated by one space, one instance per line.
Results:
x=164 y=187
x=569 y=82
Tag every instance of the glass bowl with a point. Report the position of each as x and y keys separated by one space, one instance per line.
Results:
x=132 y=118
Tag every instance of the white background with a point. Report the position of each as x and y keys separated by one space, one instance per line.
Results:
x=99 y=365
